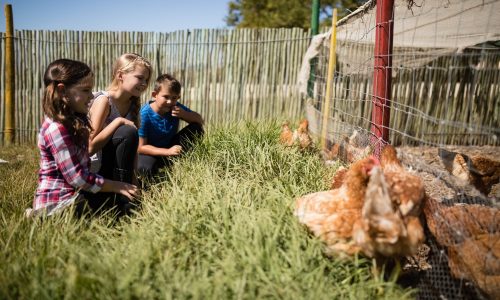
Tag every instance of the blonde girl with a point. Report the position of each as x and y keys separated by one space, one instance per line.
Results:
x=114 y=116
x=63 y=142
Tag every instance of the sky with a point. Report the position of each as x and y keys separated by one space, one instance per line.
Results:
x=117 y=15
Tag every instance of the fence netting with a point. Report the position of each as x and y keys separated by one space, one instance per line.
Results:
x=444 y=122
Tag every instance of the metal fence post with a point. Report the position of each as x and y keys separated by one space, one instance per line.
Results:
x=382 y=74
x=314 y=31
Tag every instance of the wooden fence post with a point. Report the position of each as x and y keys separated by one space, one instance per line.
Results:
x=9 y=77
x=330 y=87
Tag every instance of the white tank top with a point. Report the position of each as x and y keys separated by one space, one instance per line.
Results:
x=113 y=111
x=96 y=159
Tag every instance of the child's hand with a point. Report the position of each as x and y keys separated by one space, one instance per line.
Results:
x=128 y=190
x=175 y=150
x=178 y=112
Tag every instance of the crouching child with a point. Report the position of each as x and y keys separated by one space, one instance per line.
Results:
x=159 y=138
x=64 y=178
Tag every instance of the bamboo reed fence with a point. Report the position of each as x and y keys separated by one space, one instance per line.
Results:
x=227 y=75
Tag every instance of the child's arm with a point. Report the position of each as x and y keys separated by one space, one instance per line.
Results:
x=188 y=116
x=65 y=154
x=100 y=136
x=145 y=148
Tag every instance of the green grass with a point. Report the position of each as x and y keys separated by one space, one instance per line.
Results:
x=219 y=226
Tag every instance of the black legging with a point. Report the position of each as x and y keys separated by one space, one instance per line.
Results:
x=117 y=164
x=119 y=153
x=149 y=165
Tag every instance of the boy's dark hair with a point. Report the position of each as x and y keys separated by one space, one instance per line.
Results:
x=173 y=84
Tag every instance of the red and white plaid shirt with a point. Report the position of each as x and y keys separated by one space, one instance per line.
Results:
x=64 y=167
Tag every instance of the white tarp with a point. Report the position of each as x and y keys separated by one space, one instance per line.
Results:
x=433 y=24
x=422 y=32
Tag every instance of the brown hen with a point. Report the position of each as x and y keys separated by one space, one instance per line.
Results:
x=338 y=178
x=481 y=172
x=338 y=151
x=382 y=231
x=406 y=190
x=302 y=135
x=478 y=260
x=353 y=150
x=471 y=234
x=286 y=134
x=332 y=153
x=453 y=224
x=330 y=215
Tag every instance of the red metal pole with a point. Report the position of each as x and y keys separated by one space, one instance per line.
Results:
x=382 y=74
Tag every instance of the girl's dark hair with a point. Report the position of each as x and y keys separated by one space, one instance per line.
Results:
x=68 y=72
x=173 y=84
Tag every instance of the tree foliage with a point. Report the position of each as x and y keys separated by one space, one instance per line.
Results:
x=283 y=13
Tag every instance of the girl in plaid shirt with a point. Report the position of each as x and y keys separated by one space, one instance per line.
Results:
x=64 y=141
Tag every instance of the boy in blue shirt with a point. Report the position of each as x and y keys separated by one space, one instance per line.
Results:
x=158 y=136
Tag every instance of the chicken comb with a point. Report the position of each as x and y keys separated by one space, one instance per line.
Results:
x=374 y=159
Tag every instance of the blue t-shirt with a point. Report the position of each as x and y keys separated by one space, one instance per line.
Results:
x=158 y=129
